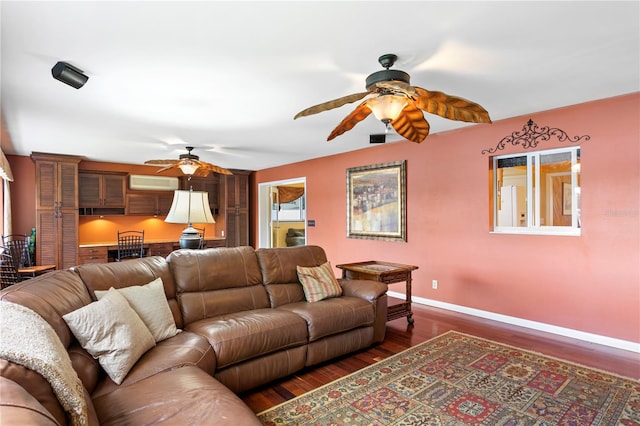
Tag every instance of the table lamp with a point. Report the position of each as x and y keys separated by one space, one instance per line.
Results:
x=190 y=207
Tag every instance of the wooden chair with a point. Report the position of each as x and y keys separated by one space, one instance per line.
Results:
x=201 y=235
x=130 y=245
x=18 y=244
x=9 y=274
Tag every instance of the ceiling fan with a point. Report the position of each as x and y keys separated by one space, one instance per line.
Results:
x=190 y=165
x=398 y=104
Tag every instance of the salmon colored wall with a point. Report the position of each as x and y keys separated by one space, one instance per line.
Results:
x=589 y=283
x=23 y=198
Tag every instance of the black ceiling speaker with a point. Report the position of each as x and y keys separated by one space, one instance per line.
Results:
x=69 y=74
x=379 y=138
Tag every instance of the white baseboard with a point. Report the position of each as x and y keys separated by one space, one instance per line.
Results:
x=562 y=331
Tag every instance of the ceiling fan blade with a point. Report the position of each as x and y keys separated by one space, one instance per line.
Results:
x=201 y=172
x=361 y=112
x=170 y=166
x=213 y=168
x=159 y=162
x=331 y=104
x=396 y=87
x=451 y=107
x=411 y=124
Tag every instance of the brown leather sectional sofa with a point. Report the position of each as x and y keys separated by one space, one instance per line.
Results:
x=245 y=322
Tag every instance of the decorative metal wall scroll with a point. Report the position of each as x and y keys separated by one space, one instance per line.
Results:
x=532 y=135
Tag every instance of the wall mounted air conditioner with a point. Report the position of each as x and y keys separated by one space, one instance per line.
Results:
x=153 y=183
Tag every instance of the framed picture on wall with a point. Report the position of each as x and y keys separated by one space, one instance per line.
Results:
x=376 y=202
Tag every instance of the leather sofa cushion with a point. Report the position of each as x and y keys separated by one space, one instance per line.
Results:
x=240 y=336
x=217 y=282
x=279 y=271
x=259 y=371
x=333 y=316
x=86 y=366
x=214 y=269
x=102 y=276
x=21 y=407
x=36 y=385
x=339 y=344
x=183 y=349
x=278 y=265
x=183 y=396
x=51 y=295
x=208 y=304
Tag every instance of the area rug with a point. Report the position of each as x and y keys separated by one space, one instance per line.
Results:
x=457 y=379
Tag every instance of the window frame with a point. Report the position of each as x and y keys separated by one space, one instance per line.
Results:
x=533 y=192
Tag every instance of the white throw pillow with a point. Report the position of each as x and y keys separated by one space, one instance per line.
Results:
x=150 y=303
x=112 y=333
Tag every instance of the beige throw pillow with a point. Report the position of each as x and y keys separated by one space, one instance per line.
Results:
x=112 y=333
x=318 y=282
x=150 y=303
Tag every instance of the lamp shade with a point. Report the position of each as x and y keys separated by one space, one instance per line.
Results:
x=190 y=207
x=386 y=108
x=188 y=168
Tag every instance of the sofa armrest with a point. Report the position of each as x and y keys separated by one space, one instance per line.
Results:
x=365 y=289
x=17 y=406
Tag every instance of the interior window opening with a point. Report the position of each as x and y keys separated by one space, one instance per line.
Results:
x=537 y=192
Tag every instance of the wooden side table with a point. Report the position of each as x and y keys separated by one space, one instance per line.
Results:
x=33 y=271
x=387 y=273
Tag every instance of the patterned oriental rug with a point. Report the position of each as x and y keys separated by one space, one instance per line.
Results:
x=456 y=379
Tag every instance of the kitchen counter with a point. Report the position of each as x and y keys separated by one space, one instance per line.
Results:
x=106 y=251
x=114 y=244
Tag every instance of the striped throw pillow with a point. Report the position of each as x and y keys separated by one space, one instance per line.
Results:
x=318 y=282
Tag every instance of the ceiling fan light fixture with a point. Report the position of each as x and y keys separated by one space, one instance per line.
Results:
x=387 y=107
x=188 y=168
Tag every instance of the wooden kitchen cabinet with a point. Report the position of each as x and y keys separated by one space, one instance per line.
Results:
x=160 y=249
x=94 y=254
x=148 y=203
x=102 y=190
x=237 y=208
x=56 y=209
x=209 y=184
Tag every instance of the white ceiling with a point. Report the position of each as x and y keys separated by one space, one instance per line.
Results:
x=228 y=77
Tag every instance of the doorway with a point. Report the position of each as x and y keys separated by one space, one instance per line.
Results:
x=282 y=213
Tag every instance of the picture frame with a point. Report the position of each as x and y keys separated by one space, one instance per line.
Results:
x=376 y=202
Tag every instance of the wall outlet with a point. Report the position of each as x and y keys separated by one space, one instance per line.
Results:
x=434 y=284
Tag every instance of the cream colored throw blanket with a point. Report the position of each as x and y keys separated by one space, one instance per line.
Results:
x=27 y=339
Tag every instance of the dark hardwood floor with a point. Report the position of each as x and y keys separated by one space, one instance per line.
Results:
x=430 y=322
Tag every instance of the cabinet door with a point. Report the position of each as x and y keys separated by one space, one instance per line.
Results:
x=237 y=214
x=150 y=204
x=164 y=203
x=160 y=249
x=141 y=204
x=68 y=239
x=89 y=194
x=46 y=242
x=102 y=190
x=113 y=190
x=56 y=210
x=209 y=184
x=68 y=186
x=46 y=185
